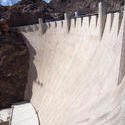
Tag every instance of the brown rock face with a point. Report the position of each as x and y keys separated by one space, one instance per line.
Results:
x=14 y=65
x=86 y=6
x=3 y=10
x=4 y=28
x=27 y=12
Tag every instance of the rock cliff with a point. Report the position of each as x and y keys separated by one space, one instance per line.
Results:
x=86 y=6
x=14 y=64
x=28 y=11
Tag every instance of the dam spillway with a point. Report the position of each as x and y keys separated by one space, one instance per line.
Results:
x=77 y=73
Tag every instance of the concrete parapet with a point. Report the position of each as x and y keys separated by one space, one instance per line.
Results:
x=102 y=19
x=76 y=14
x=41 y=24
x=66 y=17
x=80 y=24
x=29 y=28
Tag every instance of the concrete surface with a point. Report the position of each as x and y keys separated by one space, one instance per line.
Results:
x=5 y=115
x=24 y=114
x=77 y=77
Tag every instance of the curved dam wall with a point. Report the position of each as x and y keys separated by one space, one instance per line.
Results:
x=77 y=70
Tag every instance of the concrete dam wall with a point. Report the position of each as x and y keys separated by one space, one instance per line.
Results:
x=77 y=70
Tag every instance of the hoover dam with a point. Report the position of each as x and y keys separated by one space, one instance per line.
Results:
x=77 y=70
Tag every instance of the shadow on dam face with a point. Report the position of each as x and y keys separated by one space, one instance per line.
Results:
x=32 y=73
x=32 y=69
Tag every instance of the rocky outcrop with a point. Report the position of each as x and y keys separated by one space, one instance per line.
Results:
x=4 y=28
x=14 y=65
x=27 y=12
x=3 y=11
x=86 y=6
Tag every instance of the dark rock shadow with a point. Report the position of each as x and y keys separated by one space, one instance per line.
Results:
x=14 y=66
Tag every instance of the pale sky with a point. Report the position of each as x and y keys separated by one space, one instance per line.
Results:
x=47 y=0
x=10 y=2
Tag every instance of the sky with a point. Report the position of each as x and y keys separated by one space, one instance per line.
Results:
x=10 y=2
x=47 y=1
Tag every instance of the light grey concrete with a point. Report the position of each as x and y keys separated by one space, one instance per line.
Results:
x=74 y=76
x=5 y=115
x=24 y=114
